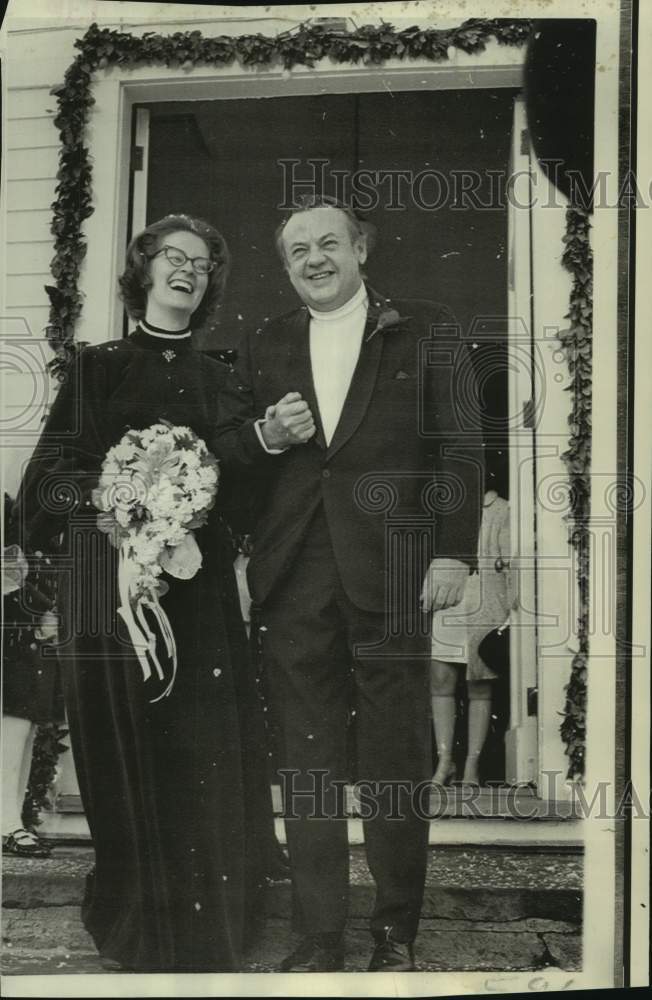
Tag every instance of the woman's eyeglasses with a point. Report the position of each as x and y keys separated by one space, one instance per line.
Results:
x=176 y=257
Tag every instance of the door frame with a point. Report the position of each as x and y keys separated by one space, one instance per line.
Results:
x=111 y=139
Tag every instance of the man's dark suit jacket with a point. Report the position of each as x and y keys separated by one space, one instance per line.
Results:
x=401 y=480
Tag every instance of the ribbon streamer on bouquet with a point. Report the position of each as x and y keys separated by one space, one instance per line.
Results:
x=142 y=637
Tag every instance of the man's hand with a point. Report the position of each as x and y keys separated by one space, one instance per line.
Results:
x=444 y=584
x=288 y=422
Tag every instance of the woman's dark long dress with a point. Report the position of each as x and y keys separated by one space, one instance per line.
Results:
x=175 y=792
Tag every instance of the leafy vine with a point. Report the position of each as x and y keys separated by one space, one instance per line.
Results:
x=576 y=342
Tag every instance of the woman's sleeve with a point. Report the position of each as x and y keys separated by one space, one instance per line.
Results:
x=236 y=440
x=64 y=467
x=238 y=486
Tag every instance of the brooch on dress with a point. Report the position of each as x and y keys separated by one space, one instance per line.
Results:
x=168 y=355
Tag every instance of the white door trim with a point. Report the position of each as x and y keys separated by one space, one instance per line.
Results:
x=521 y=751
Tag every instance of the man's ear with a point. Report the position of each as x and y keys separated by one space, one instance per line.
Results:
x=361 y=248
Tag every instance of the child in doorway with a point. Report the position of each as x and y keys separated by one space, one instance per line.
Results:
x=456 y=635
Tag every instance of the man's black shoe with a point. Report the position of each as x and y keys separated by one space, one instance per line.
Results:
x=392 y=956
x=313 y=955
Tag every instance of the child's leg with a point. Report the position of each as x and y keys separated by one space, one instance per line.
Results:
x=443 y=681
x=479 y=718
x=17 y=740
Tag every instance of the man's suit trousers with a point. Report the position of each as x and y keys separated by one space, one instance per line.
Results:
x=314 y=643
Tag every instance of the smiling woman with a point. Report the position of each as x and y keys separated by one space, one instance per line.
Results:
x=178 y=282
x=176 y=268
x=173 y=889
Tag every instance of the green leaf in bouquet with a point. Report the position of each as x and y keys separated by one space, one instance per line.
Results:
x=198 y=520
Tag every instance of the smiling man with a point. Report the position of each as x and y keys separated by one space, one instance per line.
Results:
x=323 y=252
x=368 y=479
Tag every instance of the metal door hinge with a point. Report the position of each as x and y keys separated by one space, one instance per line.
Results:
x=532 y=700
x=528 y=414
x=137 y=153
x=525 y=142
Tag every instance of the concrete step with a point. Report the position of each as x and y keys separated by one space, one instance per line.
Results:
x=484 y=908
x=481 y=879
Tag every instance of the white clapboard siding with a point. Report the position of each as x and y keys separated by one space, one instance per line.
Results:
x=12 y=472
x=38 y=60
x=32 y=319
x=15 y=327
x=31 y=195
x=28 y=227
x=29 y=258
x=27 y=393
x=27 y=389
x=26 y=397
x=25 y=290
x=37 y=132
x=26 y=102
x=32 y=164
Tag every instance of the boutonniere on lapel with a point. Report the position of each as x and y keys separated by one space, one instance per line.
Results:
x=386 y=318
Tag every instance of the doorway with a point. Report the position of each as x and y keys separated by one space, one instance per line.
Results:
x=236 y=162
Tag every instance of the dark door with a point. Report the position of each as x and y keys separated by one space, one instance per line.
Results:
x=428 y=166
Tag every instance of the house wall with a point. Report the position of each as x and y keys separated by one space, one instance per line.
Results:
x=34 y=61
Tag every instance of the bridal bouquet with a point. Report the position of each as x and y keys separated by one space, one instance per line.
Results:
x=156 y=486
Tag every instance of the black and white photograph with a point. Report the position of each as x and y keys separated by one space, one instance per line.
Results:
x=326 y=498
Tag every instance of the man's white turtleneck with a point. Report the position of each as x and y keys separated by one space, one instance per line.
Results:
x=335 y=341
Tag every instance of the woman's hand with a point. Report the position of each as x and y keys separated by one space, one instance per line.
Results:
x=287 y=423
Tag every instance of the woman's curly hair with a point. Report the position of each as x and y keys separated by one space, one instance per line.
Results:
x=135 y=281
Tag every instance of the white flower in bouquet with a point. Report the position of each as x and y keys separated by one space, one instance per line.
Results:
x=184 y=432
x=122 y=452
x=153 y=433
x=163 y=498
x=207 y=476
x=203 y=496
x=145 y=548
x=170 y=532
x=191 y=459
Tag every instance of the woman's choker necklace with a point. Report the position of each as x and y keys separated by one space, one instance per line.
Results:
x=156 y=331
